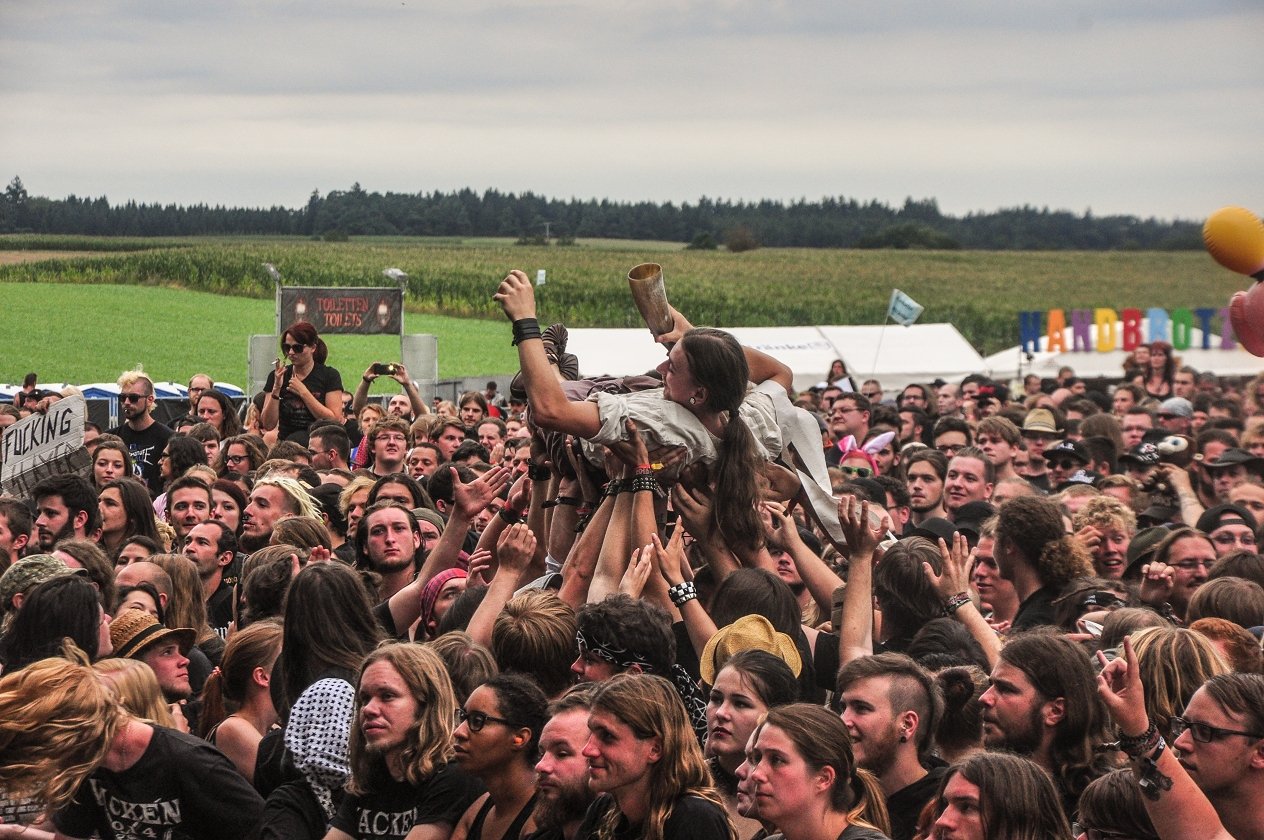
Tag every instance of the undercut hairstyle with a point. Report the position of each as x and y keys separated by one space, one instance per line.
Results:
x=1242 y=694
x=331 y=437
x=822 y=740
x=1059 y=667
x=1234 y=599
x=651 y=708
x=57 y=722
x=912 y=688
x=636 y=626
x=469 y=664
x=298 y=501
x=535 y=634
x=427 y=743
x=1174 y=663
x=128 y=378
x=76 y=494
x=1033 y=525
x=1017 y=799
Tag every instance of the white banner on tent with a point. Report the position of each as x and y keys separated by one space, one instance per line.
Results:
x=43 y=445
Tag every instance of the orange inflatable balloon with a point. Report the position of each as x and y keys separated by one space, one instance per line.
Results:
x=1234 y=237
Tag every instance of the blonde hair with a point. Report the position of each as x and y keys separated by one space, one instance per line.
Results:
x=135 y=686
x=1174 y=663
x=300 y=502
x=1104 y=511
x=57 y=722
x=428 y=742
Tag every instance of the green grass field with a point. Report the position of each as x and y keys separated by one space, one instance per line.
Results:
x=102 y=312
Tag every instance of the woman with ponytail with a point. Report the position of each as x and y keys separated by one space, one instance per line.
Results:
x=304 y=391
x=806 y=780
x=241 y=684
x=705 y=406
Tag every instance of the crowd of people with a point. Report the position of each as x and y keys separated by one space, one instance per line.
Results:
x=643 y=607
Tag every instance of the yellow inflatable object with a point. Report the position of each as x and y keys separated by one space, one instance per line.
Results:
x=1234 y=237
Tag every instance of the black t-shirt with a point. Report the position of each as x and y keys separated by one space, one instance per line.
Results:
x=1037 y=610
x=293 y=412
x=292 y=812
x=146 y=448
x=691 y=818
x=219 y=607
x=906 y=804
x=394 y=808
x=182 y=788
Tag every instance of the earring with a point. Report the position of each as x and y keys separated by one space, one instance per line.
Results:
x=693 y=400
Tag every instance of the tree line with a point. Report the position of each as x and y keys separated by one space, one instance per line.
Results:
x=830 y=222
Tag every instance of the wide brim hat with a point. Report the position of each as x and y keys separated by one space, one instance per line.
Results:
x=1236 y=457
x=750 y=632
x=132 y=631
x=1040 y=420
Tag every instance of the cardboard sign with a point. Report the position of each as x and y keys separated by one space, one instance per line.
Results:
x=43 y=445
x=344 y=310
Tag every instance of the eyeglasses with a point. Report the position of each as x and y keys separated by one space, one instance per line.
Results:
x=133 y=397
x=232 y=459
x=292 y=348
x=1064 y=464
x=1233 y=539
x=394 y=437
x=477 y=720
x=859 y=472
x=1190 y=565
x=1205 y=733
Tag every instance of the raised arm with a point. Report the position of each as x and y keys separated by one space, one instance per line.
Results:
x=762 y=366
x=856 y=636
x=549 y=406
x=953 y=587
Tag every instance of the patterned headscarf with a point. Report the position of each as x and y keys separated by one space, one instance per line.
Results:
x=318 y=737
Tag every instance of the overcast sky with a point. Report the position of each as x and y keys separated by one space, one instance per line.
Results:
x=1150 y=107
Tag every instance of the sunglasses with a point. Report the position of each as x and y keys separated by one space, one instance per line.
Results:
x=1204 y=732
x=859 y=472
x=477 y=720
x=292 y=348
x=127 y=398
x=1064 y=464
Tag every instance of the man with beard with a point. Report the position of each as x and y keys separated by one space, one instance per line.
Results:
x=389 y=443
x=213 y=547
x=145 y=437
x=892 y=707
x=1042 y=703
x=189 y=503
x=65 y=507
x=563 y=795
x=330 y=447
x=389 y=537
x=15 y=531
x=273 y=498
x=925 y=471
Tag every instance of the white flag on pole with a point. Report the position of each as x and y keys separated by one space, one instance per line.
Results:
x=903 y=309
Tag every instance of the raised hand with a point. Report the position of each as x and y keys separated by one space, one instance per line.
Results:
x=1119 y=686
x=638 y=572
x=470 y=499
x=516 y=296
x=957 y=565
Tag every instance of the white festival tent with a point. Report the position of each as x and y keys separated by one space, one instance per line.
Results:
x=894 y=355
x=1012 y=364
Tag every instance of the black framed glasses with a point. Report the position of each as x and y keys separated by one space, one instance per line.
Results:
x=1205 y=733
x=233 y=459
x=127 y=398
x=477 y=720
x=292 y=348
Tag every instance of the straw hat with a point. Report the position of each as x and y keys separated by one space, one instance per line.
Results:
x=132 y=631
x=750 y=632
